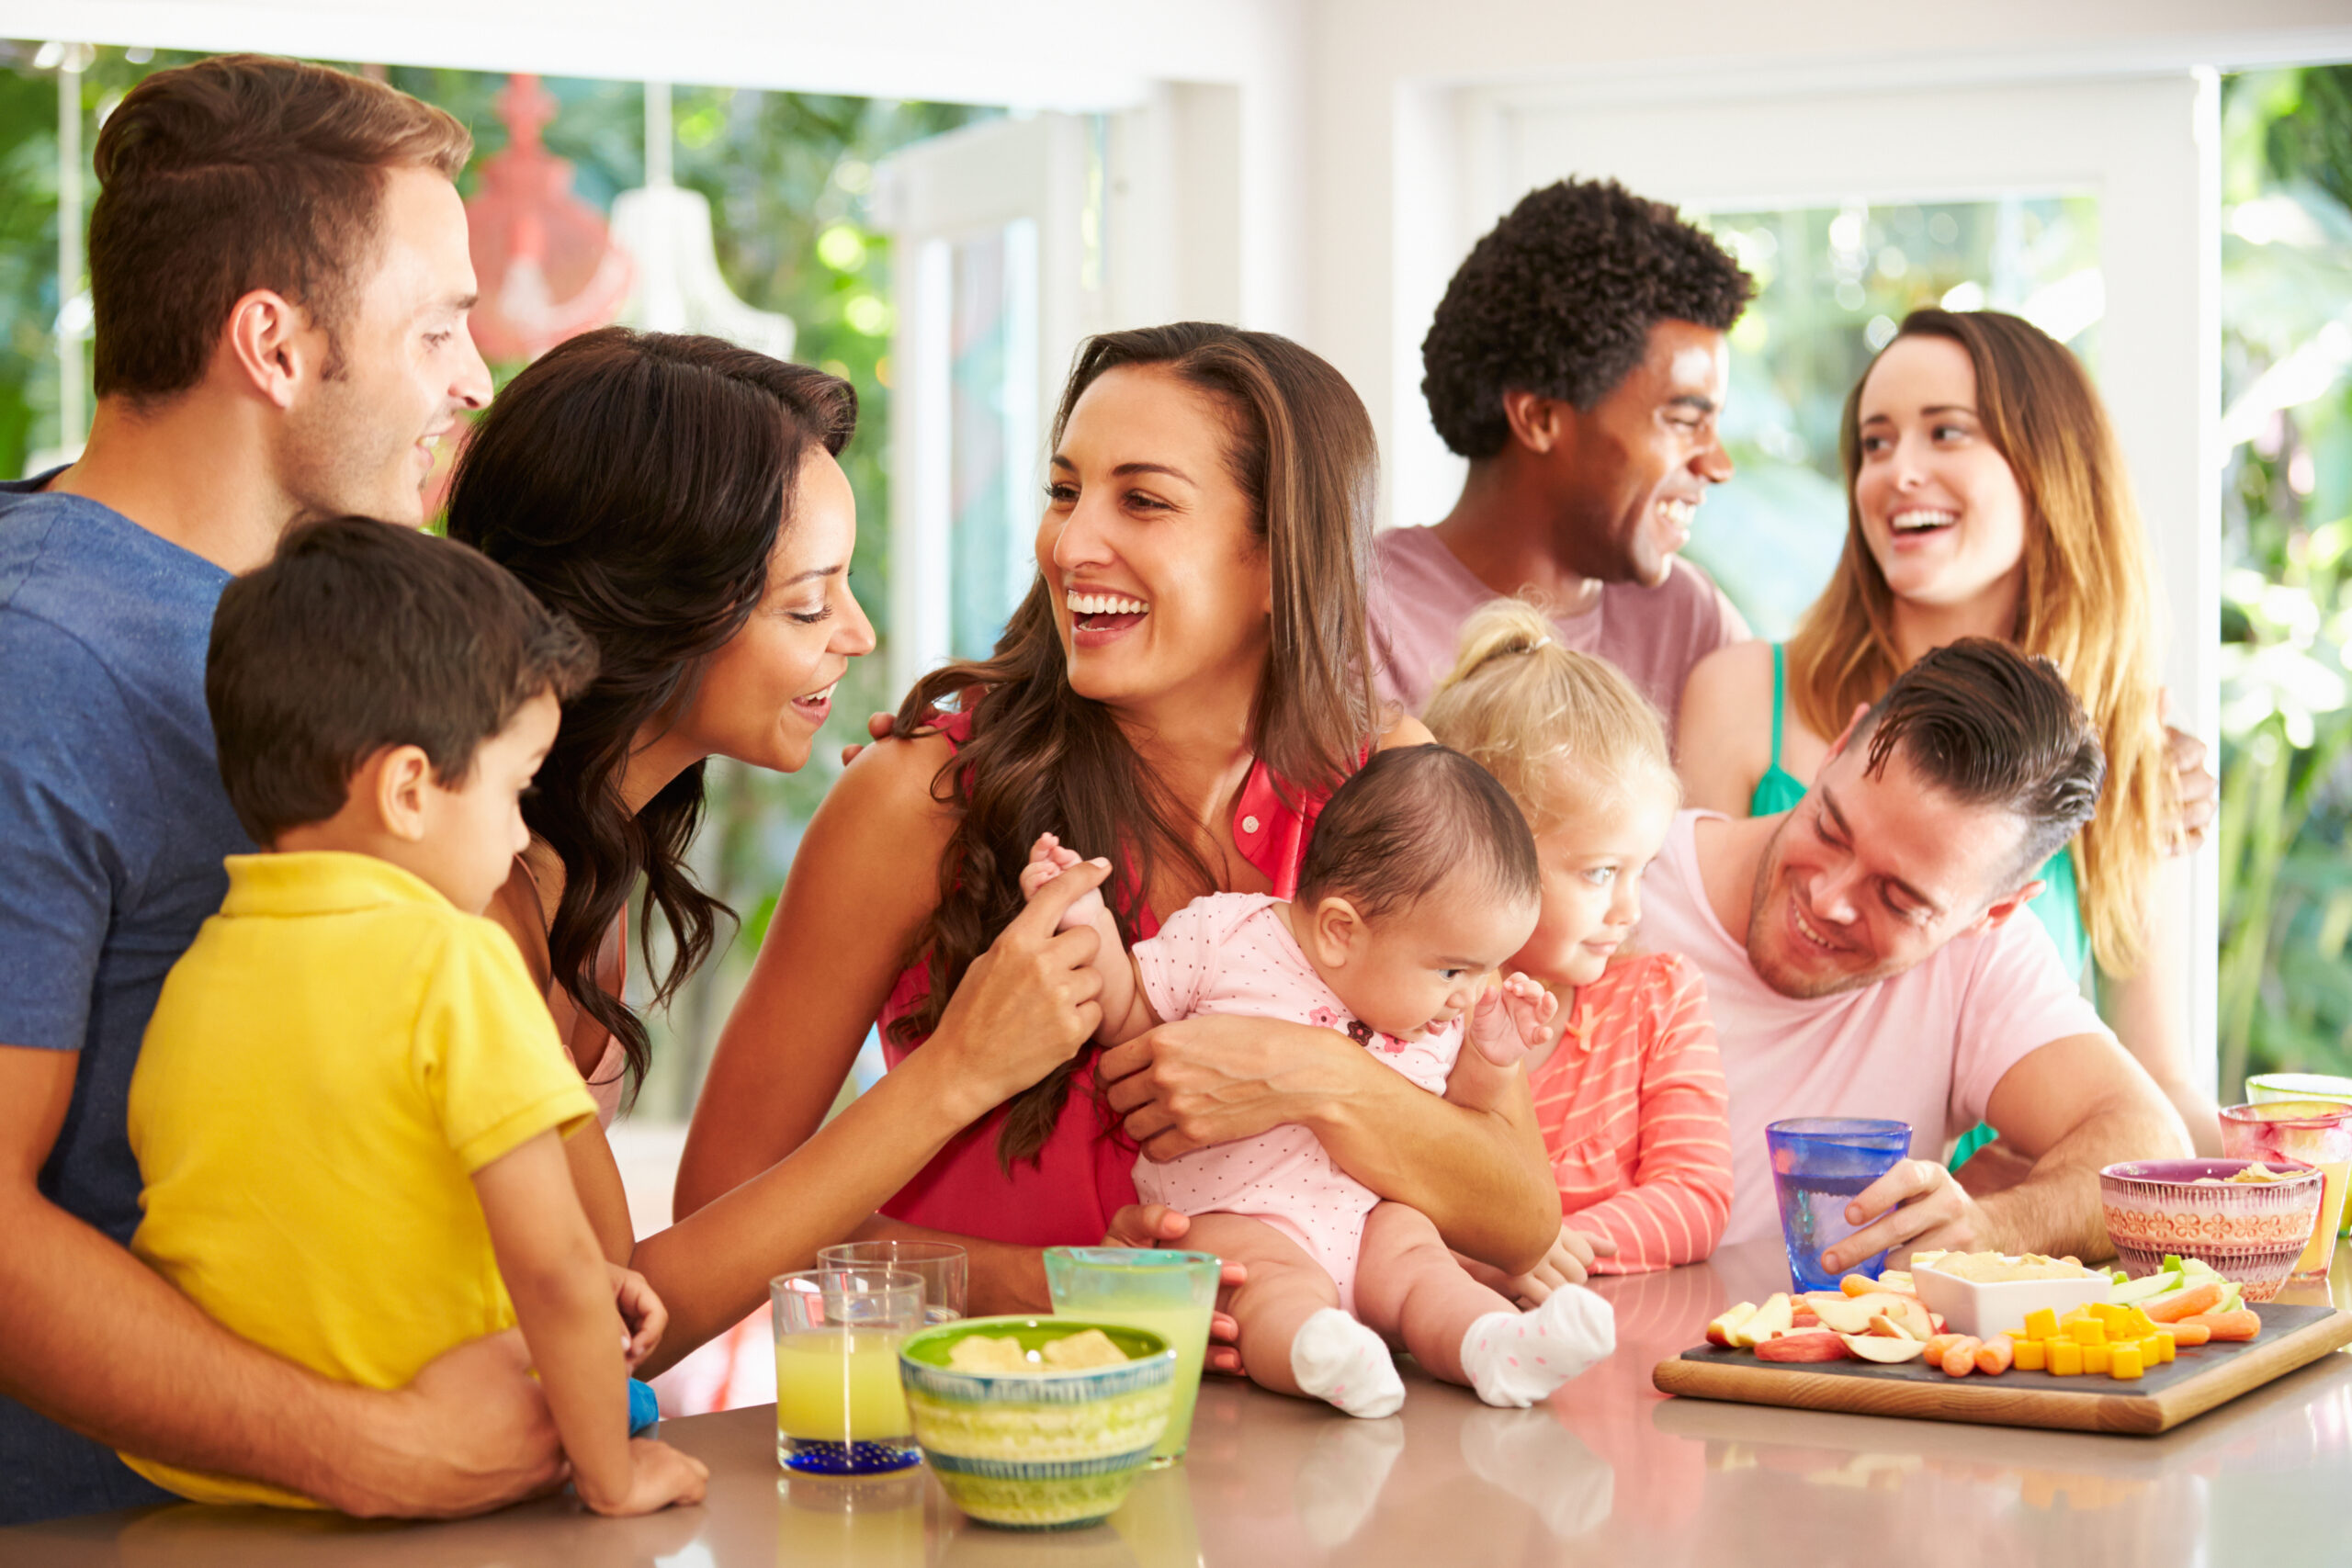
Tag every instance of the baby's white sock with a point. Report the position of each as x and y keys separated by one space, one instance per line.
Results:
x=1337 y=1359
x=1514 y=1359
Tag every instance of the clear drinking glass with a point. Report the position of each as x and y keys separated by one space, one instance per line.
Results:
x=1172 y=1295
x=2315 y=1132
x=2264 y=1088
x=838 y=1407
x=945 y=1269
x=1819 y=1164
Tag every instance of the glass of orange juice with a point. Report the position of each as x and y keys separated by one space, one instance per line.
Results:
x=2314 y=1131
x=838 y=1410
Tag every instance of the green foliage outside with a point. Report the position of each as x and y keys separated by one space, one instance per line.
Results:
x=2286 y=1000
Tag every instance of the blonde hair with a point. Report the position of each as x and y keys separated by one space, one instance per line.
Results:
x=2085 y=605
x=1523 y=708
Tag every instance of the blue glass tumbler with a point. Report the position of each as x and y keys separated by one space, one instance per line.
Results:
x=1819 y=1164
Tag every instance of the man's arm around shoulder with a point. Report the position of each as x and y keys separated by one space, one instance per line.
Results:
x=94 y=1339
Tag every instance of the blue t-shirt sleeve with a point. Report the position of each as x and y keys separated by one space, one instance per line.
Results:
x=68 y=759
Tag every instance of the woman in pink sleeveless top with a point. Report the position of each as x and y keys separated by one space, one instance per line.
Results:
x=1185 y=683
x=678 y=498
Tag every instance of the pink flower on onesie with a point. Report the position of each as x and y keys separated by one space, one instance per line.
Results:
x=1232 y=954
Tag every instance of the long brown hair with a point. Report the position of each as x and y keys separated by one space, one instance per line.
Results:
x=1042 y=759
x=2086 y=603
x=637 y=482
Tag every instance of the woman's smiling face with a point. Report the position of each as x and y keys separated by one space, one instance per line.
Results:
x=1149 y=546
x=1940 y=507
x=762 y=698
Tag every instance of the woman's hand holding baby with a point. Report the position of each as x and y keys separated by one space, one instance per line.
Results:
x=1026 y=1005
x=1047 y=860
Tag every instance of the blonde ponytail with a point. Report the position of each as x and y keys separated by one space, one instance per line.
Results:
x=1526 y=708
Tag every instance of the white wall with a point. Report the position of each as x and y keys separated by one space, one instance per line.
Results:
x=1077 y=55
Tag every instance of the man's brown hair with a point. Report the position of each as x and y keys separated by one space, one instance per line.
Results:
x=238 y=173
x=1990 y=726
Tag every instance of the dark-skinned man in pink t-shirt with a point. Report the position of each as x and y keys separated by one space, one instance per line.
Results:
x=1579 y=361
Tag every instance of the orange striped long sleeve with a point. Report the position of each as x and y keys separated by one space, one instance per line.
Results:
x=1633 y=1108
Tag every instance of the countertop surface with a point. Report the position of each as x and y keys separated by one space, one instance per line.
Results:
x=1608 y=1471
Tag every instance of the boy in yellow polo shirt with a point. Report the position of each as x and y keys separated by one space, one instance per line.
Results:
x=349 y=1106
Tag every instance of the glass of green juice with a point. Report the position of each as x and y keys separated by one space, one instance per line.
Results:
x=838 y=1407
x=1173 y=1294
x=2264 y=1088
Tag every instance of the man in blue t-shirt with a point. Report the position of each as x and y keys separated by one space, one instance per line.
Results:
x=279 y=261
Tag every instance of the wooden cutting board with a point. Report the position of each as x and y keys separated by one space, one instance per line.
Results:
x=2195 y=1382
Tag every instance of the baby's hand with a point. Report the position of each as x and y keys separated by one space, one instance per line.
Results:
x=641 y=1312
x=1512 y=1019
x=1047 y=860
x=1569 y=1262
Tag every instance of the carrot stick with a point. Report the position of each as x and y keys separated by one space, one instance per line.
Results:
x=1938 y=1344
x=2190 y=1333
x=1995 y=1356
x=2242 y=1323
x=2182 y=1304
x=1960 y=1360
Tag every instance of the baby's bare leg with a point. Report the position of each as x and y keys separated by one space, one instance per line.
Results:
x=1286 y=1287
x=1409 y=1287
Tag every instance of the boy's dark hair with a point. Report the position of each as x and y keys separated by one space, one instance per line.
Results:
x=1411 y=818
x=361 y=634
x=238 y=172
x=1993 y=727
x=1558 y=300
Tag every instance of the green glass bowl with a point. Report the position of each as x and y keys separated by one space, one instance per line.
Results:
x=1038 y=1451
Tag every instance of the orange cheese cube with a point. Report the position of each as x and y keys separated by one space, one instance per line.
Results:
x=2096 y=1359
x=2065 y=1358
x=2136 y=1325
x=2124 y=1362
x=2087 y=1332
x=2042 y=1324
x=2156 y=1350
x=2032 y=1355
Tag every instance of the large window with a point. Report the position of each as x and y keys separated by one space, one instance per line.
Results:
x=1833 y=283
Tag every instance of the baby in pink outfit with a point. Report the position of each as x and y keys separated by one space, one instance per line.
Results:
x=1420 y=880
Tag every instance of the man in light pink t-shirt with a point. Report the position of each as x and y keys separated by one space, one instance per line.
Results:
x=1579 y=361
x=1861 y=960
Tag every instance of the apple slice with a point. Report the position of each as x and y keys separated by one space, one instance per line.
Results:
x=1719 y=1332
x=1812 y=1345
x=1852 y=1314
x=1770 y=1319
x=1873 y=1348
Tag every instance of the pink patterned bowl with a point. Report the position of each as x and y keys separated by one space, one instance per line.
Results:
x=2250 y=1232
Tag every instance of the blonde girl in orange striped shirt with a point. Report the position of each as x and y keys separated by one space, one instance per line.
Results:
x=1631 y=1097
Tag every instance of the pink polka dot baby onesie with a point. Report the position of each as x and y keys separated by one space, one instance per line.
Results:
x=1231 y=952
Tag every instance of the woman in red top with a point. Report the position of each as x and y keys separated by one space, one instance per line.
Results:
x=1185 y=684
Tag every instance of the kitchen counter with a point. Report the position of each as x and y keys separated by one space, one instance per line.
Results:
x=1610 y=1470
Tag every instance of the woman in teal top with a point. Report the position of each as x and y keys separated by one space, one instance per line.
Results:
x=1985 y=497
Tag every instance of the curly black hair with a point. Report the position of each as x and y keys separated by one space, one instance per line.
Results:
x=1559 y=299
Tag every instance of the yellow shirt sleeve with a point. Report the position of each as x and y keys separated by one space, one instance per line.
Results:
x=486 y=1052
